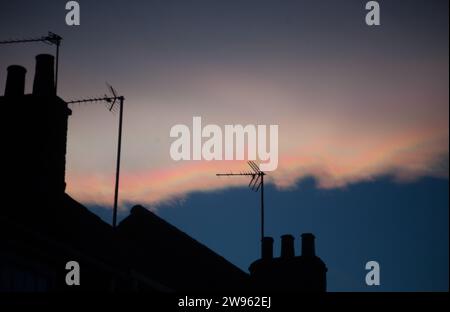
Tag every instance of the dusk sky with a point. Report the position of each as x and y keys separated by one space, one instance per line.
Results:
x=363 y=115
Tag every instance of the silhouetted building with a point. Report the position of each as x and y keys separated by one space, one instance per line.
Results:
x=306 y=272
x=42 y=228
x=36 y=130
x=164 y=252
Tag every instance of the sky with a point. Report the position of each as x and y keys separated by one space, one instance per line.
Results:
x=363 y=119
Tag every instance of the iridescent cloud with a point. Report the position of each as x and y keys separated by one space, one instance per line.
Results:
x=340 y=122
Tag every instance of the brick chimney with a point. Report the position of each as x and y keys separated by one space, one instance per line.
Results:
x=15 y=81
x=38 y=122
x=287 y=246
x=267 y=248
x=308 y=248
x=44 y=81
x=289 y=272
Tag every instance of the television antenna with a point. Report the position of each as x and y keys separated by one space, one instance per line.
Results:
x=51 y=39
x=112 y=101
x=256 y=183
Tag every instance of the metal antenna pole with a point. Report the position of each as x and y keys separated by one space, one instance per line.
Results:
x=119 y=148
x=57 y=40
x=112 y=107
x=262 y=207
x=256 y=182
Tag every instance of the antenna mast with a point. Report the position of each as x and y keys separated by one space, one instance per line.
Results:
x=256 y=183
x=112 y=100
x=51 y=38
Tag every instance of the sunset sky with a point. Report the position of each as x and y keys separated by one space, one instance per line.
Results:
x=355 y=104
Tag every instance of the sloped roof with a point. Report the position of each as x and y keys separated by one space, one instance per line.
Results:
x=166 y=253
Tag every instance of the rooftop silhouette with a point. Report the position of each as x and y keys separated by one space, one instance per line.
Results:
x=43 y=227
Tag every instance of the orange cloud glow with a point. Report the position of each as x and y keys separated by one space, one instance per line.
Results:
x=333 y=162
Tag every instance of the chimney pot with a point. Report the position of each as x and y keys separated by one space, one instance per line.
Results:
x=267 y=248
x=44 y=83
x=287 y=246
x=308 y=248
x=15 y=81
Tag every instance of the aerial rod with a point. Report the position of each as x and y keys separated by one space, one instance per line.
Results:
x=99 y=99
x=113 y=100
x=119 y=148
x=256 y=184
x=50 y=38
x=235 y=174
x=22 y=40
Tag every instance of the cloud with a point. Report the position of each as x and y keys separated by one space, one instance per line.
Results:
x=336 y=123
x=333 y=163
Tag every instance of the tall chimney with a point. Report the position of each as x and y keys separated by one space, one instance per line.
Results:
x=44 y=83
x=308 y=249
x=287 y=246
x=267 y=248
x=15 y=81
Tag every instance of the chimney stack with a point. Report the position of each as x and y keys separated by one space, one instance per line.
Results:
x=308 y=249
x=287 y=246
x=267 y=248
x=44 y=83
x=15 y=81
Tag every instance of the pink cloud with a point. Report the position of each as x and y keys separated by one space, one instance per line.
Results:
x=332 y=162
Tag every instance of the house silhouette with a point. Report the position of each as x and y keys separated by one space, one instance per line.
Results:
x=43 y=228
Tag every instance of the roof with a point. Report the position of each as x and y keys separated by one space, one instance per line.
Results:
x=165 y=252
